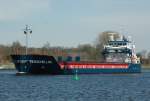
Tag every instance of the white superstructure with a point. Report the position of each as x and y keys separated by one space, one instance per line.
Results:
x=120 y=50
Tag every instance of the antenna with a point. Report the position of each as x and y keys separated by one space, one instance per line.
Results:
x=26 y=32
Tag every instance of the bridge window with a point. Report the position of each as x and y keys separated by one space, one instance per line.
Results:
x=120 y=44
x=124 y=43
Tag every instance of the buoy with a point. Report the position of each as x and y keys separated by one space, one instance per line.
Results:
x=76 y=76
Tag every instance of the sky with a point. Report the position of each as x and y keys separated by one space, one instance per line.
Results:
x=70 y=23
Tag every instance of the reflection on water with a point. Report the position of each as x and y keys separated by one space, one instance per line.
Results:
x=101 y=87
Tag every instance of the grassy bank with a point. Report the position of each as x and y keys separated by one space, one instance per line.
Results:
x=7 y=66
x=146 y=66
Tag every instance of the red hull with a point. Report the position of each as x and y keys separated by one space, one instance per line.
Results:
x=89 y=65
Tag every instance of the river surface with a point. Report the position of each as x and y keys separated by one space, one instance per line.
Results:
x=99 y=87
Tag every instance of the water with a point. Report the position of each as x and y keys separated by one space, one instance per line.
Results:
x=102 y=87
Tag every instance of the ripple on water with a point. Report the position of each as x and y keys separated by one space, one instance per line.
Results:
x=102 y=87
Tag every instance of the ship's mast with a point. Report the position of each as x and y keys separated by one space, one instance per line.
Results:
x=26 y=32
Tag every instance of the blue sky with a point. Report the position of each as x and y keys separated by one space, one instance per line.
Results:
x=72 y=22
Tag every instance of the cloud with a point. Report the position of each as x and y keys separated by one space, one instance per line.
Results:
x=18 y=9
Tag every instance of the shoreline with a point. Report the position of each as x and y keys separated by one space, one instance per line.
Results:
x=145 y=66
x=8 y=66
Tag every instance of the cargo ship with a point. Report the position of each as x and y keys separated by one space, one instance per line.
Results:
x=119 y=57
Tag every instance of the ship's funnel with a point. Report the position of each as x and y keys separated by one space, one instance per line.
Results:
x=111 y=36
x=120 y=38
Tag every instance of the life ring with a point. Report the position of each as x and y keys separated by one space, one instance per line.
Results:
x=27 y=64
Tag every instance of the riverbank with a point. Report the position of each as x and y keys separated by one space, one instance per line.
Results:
x=7 y=66
x=145 y=66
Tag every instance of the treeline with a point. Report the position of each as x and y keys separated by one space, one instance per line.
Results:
x=87 y=52
x=145 y=57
